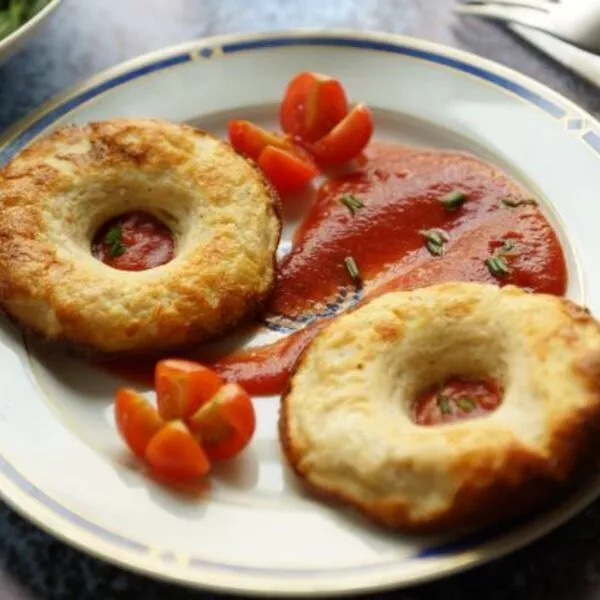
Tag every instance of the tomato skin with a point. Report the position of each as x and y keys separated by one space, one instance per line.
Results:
x=312 y=105
x=137 y=421
x=226 y=424
x=347 y=139
x=250 y=139
x=287 y=171
x=182 y=386
x=174 y=454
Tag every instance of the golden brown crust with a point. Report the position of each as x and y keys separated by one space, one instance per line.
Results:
x=224 y=215
x=344 y=423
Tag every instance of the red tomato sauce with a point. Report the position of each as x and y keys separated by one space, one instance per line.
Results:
x=400 y=192
x=265 y=370
x=262 y=370
x=133 y=241
x=456 y=400
x=400 y=189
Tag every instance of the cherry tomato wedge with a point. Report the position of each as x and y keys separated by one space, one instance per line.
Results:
x=175 y=454
x=182 y=386
x=312 y=105
x=347 y=139
x=225 y=425
x=137 y=420
x=287 y=171
x=250 y=139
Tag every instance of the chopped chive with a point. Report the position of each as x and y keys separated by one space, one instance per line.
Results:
x=117 y=249
x=113 y=239
x=435 y=249
x=443 y=404
x=514 y=202
x=352 y=269
x=113 y=235
x=508 y=248
x=508 y=245
x=497 y=266
x=437 y=236
x=453 y=200
x=352 y=202
x=435 y=240
x=466 y=403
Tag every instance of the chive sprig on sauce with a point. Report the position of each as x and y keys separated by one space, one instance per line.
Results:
x=514 y=202
x=497 y=266
x=352 y=203
x=497 y=263
x=466 y=403
x=113 y=239
x=453 y=200
x=434 y=240
x=352 y=269
x=443 y=404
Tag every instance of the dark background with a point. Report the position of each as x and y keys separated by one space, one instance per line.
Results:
x=84 y=36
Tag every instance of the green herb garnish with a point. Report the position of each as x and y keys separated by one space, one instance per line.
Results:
x=514 y=202
x=466 y=403
x=497 y=263
x=497 y=266
x=113 y=239
x=14 y=13
x=435 y=240
x=507 y=246
x=352 y=269
x=453 y=200
x=443 y=404
x=352 y=202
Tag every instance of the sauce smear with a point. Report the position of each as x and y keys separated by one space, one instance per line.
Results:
x=456 y=400
x=382 y=216
x=401 y=192
x=133 y=241
x=265 y=370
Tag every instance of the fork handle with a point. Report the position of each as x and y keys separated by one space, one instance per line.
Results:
x=585 y=64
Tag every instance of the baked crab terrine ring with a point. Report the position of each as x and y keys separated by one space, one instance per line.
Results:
x=201 y=216
x=457 y=404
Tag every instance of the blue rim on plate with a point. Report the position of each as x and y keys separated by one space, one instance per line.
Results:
x=432 y=561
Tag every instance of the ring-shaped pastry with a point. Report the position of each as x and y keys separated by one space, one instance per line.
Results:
x=346 y=424
x=57 y=193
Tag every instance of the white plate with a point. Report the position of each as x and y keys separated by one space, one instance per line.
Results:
x=11 y=43
x=255 y=530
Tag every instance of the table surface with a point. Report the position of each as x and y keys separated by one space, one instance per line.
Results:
x=84 y=37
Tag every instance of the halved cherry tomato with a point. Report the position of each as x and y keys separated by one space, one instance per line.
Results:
x=250 y=139
x=137 y=420
x=182 y=386
x=312 y=105
x=225 y=425
x=287 y=171
x=175 y=454
x=347 y=139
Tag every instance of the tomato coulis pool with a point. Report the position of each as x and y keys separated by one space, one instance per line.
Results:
x=133 y=241
x=401 y=190
x=401 y=194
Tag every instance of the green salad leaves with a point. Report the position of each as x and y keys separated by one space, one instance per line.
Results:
x=14 y=13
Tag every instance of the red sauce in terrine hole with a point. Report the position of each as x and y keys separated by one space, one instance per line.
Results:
x=456 y=399
x=133 y=241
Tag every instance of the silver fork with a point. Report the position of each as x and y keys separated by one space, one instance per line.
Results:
x=576 y=21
